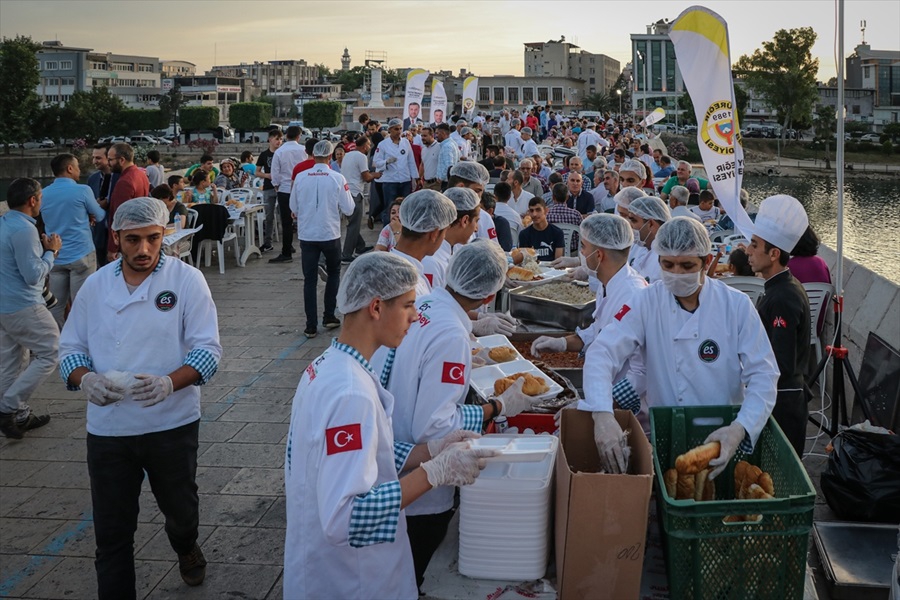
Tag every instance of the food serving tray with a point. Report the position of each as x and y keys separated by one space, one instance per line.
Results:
x=520 y=448
x=554 y=313
x=857 y=558
x=547 y=274
x=483 y=378
x=495 y=341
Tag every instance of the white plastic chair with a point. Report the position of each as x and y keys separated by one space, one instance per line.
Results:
x=192 y=218
x=244 y=195
x=230 y=236
x=720 y=236
x=568 y=230
x=221 y=193
x=819 y=295
x=755 y=287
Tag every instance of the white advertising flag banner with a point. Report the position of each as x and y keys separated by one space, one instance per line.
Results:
x=470 y=90
x=655 y=117
x=438 y=102
x=700 y=37
x=415 y=91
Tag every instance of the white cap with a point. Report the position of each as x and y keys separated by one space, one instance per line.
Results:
x=323 y=149
x=375 y=275
x=682 y=236
x=633 y=166
x=626 y=196
x=607 y=231
x=650 y=207
x=781 y=221
x=140 y=212
x=464 y=198
x=427 y=210
x=477 y=270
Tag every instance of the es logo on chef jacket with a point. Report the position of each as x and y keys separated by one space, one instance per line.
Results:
x=345 y=438
x=454 y=373
x=166 y=301
x=708 y=351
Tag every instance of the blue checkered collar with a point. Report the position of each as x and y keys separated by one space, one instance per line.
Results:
x=159 y=265
x=354 y=353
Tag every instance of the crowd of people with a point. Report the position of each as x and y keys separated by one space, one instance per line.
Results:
x=374 y=452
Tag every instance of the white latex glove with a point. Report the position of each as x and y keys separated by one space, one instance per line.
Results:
x=729 y=439
x=580 y=273
x=608 y=436
x=152 y=389
x=390 y=160
x=435 y=447
x=457 y=465
x=547 y=344
x=514 y=400
x=490 y=323
x=100 y=390
x=565 y=262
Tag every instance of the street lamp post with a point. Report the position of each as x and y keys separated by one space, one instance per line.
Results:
x=643 y=58
x=619 y=92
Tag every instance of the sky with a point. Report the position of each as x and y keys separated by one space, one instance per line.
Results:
x=483 y=36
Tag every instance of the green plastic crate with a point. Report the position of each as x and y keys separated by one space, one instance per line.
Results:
x=708 y=559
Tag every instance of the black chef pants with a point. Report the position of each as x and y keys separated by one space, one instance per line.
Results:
x=791 y=413
x=426 y=532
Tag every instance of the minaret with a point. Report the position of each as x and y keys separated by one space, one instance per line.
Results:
x=345 y=60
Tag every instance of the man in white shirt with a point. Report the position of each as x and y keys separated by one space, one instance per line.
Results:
x=588 y=137
x=394 y=159
x=503 y=193
x=520 y=198
x=318 y=198
x=283 y=162
x=530 y=184
x=431 y=151
x=513 y=138
x=529 y=146
x=462 y=144
x=503 y=122
x=355 y=170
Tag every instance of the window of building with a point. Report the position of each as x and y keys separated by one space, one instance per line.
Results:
x=65 y=65
x=67 y=81
x=542 y=94
x=867 y=72
x=498 y=94
x=484 y=94
x=557 y=94
x=146 y=98
x=593 y=81
x=656 y=50
x=639 y=46
x=145 y=68
x=51 y=65
x=52 y=81
x=855 y=109
x=670 y=66
x=528 y=95
x=100 y=66
x=513 y=95
x=123 y=67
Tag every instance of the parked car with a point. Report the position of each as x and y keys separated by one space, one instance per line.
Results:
x=35 y=144
x=148 y=140
x=874 y=138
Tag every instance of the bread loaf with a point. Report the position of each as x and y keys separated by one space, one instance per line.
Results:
x=533 y=386
x=709 y=493
x=765 y=482
x=670 y=478
x=694 y=461
x=519 y=274
x=502 y=354
x=700 y=484
x=684 y=487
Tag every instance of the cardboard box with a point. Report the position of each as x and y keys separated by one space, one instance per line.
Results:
x=601 y=519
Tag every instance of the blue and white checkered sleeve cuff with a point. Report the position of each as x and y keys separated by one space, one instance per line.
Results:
x=625 y=396
x=69 y=364
x=746 y=445
x=375 y=514
x=473 y=417
x=401 y=453
x=204 y=362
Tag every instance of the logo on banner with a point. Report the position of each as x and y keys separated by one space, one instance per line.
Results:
x=468 y=104
x=718 y=132
x=166 y=301
x=779 y=322
x=622 y=312
x=345 y=438
x=708 y=351
x=454 y=373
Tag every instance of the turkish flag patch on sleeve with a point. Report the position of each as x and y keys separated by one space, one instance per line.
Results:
x=430 y=278
x=622 y=312
x=345 y=438
x=492 y=233
x=346 y=187
x=454 y=373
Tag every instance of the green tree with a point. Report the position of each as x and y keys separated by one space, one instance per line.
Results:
x=783 y=71
x=250 y=116
x=892 y=130
x=324 y=72
x=825 y=122
x=19 y=78
x=624 y=86
x=599 y=102
x=94 y=114
x=856 y=127
x=322 y=114
x=198 y=118
x=351 y=79
x=48 y=122
x=169 y=103
x=140 y=119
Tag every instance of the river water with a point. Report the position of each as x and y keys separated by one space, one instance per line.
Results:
x=871 y=215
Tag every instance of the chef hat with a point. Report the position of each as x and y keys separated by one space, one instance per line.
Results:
x=427 y=210
x=781 y=221
x=650 y=207
x=477 y=270
x=140 y=212
x=323 y=148
x=395 y=123
x=375 y=275
x=471 y=171
x=633 y=166
x=682 y=236
x=609 y=231
x=464 y=198
x=626 y=196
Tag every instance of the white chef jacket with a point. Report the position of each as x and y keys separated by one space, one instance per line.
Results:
x=719 y=354
x=285 y=158
x=486 y=228
x=423 y=286
x=401 y=171
x=529 y=148
x=318 y=197
x=429 y=380
x=435 y=266
x=346 y=533
x=647 y=264
x=168 y=321
x=514 y=140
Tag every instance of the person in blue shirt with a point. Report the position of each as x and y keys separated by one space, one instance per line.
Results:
x=25 y=323
x=665 y=167
x=69 y=209
x=248 y=163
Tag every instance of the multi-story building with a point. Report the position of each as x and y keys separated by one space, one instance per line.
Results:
x=63 y=71
x=177 y=68
x=877 y=70
x=657 y=79
x=860 y=102
x=508 y=91
x=211 y=90
x=598 y=72
x=273 y=77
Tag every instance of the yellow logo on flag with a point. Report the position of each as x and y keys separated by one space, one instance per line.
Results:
x=719 y=132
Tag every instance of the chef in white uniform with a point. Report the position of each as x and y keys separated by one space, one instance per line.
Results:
x=646 y=215
x=703 y=344
x=428 y=375
x=458 y=233
x=425 y=216
x=141 y=337
x=346 y=531
x=475 y=176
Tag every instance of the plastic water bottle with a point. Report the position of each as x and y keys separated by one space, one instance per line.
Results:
x=178 y=223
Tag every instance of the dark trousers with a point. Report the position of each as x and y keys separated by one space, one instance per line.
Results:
x=100 y=234
x=116 y=466
x=376 y=199
x=791 y=413
x=310 y=253
x=426 y=532
x=287 y=224
x=354 y=241
x=390 y=192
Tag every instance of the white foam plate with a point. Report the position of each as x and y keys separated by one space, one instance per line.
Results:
x=530 y=449
x=483 y=378
x=494 y=341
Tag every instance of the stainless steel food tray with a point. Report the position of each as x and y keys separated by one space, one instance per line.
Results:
x=550 y=312
x=858 y=558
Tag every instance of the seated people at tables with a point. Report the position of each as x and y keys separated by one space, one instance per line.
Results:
x=706 y=211
x=203 y=191
x=739 y=263
x=205 y=164
x=520 y=197
x=547 y=240
x=176 y=209
x=504 y=232
x=387 y=239
x=578 y=198
x=678 y=199
x=805 y=265
x=665 y=167
x=179 y=184
x=725 y=221
x=248 y=164
x=605 y=191
x=503 y=192
x=231 y=177
x=682 y=174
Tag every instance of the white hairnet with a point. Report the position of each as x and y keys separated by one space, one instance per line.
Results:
x=395 y=123
x=471 y=171
x=626 y=196
x=477 y=270
x=427 y=210
x=140 y=212
x=650 y=207
x=682 y=236
x=464 y=198
x=323 y=148
x=609 y=231
x=375 y=275
x=632 y=165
